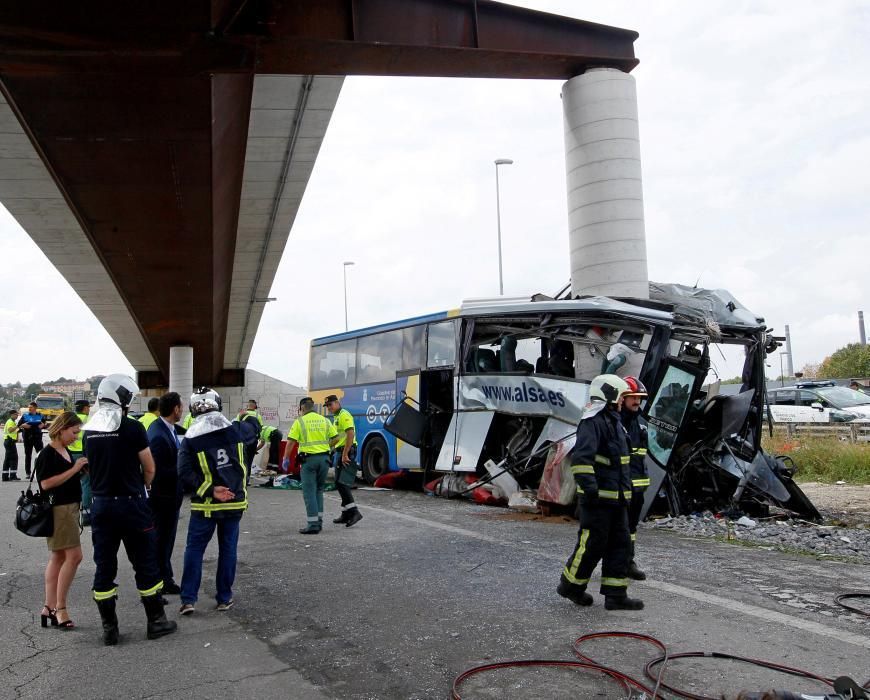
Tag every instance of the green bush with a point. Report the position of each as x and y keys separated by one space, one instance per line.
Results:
x=824 y=459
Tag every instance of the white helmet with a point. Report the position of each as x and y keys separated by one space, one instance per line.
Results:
x=118 y=389
x=204 y=400
x=608 y=388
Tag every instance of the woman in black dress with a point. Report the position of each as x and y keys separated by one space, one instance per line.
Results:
x=58 y=475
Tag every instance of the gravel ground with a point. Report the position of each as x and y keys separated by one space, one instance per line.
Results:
x=845 y=532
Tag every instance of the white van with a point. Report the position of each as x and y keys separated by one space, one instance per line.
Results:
x=818 y=402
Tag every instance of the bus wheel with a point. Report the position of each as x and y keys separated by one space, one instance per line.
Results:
x=375 y=459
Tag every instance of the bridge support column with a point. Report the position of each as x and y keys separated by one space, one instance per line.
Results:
x=181 y=371
x=605 y=196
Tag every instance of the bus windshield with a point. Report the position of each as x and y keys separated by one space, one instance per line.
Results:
x=49 y=401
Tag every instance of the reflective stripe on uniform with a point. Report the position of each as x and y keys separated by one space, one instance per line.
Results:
x=626 y=495
x=625 y=459
x=206 y=474
x=582 y=469
x=640 y=481
x=614 y=582
x=633 y=536
x=216 y=505
x=601 y=459
x=639 y=451
x=105 y=595
x=570 y=571
x=608 y=494
x=151 y=591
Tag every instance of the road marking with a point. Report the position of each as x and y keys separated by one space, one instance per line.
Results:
x=718 y=601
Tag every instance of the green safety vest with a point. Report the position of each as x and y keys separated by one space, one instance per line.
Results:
x=147 y=419
x=10 y=430
x=266 y=432
x=188 y=419
x=343 y=422
x=77 y=445
x=313 y=433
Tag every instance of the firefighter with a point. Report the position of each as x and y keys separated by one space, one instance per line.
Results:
x=316 y=436
x=122 y=469
x=344 y=458
x=600 y=464
x=635 y=427
x=212 y=468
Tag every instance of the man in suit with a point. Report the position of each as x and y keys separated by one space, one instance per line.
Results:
x=166 y=493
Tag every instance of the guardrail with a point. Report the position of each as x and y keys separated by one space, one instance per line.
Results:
x=851 y=432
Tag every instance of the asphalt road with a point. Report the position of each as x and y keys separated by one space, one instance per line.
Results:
x=419 y=591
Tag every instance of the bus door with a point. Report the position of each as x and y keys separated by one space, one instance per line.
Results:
x=408 y=385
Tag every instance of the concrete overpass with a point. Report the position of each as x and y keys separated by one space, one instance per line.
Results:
x=158 y=153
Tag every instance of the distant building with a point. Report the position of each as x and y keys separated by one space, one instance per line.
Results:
x=67 y=388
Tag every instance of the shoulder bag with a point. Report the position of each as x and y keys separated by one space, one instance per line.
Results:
x=33 y=513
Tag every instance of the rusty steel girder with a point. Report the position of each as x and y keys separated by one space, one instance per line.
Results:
x=140 y=112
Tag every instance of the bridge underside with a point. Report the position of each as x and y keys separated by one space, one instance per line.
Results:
x=158 y=153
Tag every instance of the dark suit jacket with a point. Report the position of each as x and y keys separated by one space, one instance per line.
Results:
x=164 y=449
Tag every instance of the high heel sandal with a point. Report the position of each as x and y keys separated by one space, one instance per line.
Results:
x=66 y=624
x=51 y=617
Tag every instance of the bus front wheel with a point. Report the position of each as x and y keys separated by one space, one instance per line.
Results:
x=375 y=459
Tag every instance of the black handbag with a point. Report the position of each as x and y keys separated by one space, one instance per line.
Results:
x=33 y=514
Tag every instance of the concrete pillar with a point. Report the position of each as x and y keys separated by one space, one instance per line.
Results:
x=607 y=241
x=605 y=194
x=789 y=354
x=181 y=371
x=862 y=336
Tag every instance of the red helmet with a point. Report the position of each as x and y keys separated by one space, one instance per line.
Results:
x=635 y=386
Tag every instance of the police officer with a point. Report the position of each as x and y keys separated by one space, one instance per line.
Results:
x=344 y=460
x=121 y=469
x=271 y=436
x=635 y=427
x=152 y=414
x=76 y=450
x=211 y=467
x=600 y=464
x=10 y=447
x=31 y=424
x=315 y=435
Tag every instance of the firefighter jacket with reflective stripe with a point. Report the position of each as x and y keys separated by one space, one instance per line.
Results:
x=635 y=426
x=214 y=459
x=313 y=433
x=600 y=459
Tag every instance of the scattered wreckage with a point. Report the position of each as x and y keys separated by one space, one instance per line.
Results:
x=520 y=385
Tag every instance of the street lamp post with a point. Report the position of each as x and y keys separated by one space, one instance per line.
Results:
x=344 y=274
x=500 y=161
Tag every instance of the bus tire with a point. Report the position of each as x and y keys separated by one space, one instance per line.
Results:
x=375 y=459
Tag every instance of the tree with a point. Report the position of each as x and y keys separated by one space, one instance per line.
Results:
x=32 y=390
x=850 y=361
x=811 y=370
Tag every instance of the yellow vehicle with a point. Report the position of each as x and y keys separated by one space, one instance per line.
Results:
x=50 y=405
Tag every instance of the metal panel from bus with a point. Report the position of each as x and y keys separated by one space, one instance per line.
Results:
x=464 y=442
x=408 y=384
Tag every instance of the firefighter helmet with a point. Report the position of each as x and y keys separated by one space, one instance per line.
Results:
x=608 y=387
x=204 y=400
x=635 y=387
x=118 y=389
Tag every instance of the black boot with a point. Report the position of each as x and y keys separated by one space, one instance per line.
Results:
x=354 y=517
x=158 y=625
x=341 y=519
x=110 y=621
x=566 y=590
x=612 y=602
x=635 y=573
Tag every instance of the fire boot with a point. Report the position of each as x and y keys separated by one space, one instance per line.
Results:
x=635 y=573
x=354 y=517
x=612 y=602
x=158 y=625
x=341 y=519
x=579 y=597
x=110 y=620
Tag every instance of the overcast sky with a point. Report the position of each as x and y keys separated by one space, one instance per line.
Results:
x=755 y=150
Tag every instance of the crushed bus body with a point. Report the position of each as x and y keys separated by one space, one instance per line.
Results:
x=506 y=380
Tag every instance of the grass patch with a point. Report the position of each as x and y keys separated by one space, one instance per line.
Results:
x=823 y=459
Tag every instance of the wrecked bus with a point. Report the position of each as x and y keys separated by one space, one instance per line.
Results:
x=501 y=379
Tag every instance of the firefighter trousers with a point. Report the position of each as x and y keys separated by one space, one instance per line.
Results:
x=634 y=509
x=127 y=520
x=603 y=537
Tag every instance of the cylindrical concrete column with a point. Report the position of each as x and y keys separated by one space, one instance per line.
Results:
x=605 y=194
x=862 y=335
x=606 y=237
x=181 y=371
x=789 y=355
